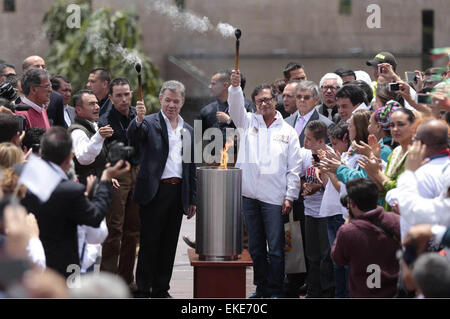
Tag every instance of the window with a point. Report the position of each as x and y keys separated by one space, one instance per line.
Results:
x=345 y=7
x=9 y=5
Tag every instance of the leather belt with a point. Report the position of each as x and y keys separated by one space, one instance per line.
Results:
x=172 y=180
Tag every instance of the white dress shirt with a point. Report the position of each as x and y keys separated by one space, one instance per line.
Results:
x=305 y=117
x=86 y=150
x=33 y=105
x=66 y=115
x=174 y=167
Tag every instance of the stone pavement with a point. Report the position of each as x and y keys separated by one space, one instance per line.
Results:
x=182 y=283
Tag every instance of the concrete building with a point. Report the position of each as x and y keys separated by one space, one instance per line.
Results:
x=323 y=35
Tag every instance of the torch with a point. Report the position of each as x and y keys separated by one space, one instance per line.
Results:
x=138 y=68
x=238 y=34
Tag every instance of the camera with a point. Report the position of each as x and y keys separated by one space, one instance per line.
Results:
x=394 y=87
x=118 y=151
x=423 y=99
x=8 y=92
x=410 y=77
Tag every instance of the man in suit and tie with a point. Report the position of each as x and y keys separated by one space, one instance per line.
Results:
x=67 y=206
x=165 y=187
x=307 y=95
x=66 y=116
x=329 y=85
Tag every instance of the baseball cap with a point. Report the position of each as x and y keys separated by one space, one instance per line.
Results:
x=383 y=57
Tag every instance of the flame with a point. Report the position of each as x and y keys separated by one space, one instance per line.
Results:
x=224 y=155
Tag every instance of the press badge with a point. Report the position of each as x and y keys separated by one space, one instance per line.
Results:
x=282 y=138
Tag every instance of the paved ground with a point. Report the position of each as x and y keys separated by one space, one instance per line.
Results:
x=182 y=284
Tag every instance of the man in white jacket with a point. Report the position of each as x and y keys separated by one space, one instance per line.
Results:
x=269 y=156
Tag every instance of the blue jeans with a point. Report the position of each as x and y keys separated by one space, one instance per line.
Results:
x=265 y=227
x=340 y=272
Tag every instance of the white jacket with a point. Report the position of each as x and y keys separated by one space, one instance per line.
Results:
x=417 y=209
x=269 y=157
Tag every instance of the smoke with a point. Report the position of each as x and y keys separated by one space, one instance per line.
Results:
x=188 y=20
x=103 y=47
x=225 y=29
x=129 y=56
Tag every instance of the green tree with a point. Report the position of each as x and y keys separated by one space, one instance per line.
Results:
x=106 y=38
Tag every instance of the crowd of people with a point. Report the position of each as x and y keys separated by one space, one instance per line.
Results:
x=361 y=161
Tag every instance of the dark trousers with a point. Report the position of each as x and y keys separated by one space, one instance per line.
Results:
x=320 y=271
x=264 y=224
x=160 y=228
x=119 y=248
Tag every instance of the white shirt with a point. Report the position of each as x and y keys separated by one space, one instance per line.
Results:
x=85 y=149
x=66 y=115
x=33 y=105
x=174 y=164
x=361 y=106
x=269 y=157
x=312 y=202
x=416 y=209
x=93 y=237
x=305 y=117
x=35 y=252
x=331 y=201
x=431 y=178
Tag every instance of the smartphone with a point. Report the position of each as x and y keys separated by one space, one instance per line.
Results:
x=316 y=158
x=410 y=254
x=423 y=99
x=394 y=87
x=380 y=69
x=410 y=77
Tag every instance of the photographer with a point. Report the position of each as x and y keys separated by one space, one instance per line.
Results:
x=119 y=248
x=68 y=206
x=370 y=238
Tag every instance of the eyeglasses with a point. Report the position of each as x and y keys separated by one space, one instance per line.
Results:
x=304 y=97
x=266 y=100
x=48 y=86
x=329 y=87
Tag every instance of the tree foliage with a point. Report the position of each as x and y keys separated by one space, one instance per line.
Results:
x=106 y=38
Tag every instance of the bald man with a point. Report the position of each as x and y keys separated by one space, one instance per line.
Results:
x=434 y=134
x=55 y=108
x=33 y=61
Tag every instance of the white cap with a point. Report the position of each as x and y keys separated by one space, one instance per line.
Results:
x=364 y=76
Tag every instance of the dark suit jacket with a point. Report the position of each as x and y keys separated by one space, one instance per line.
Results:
x=58 y=218
x=334 y=113
x=55 y=110
x=154 y=146
x=315 y=116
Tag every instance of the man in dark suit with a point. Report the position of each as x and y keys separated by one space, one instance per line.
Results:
x=329 y=85
x=62 y=116
x=67 y=206
x=165 y=187
x=307 y=95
